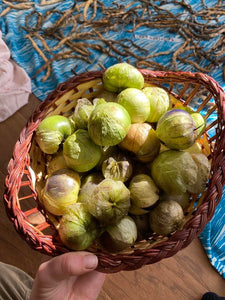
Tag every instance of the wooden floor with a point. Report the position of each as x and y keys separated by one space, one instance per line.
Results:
x=185 y=276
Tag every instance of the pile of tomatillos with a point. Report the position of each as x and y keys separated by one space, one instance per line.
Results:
x=122 y=166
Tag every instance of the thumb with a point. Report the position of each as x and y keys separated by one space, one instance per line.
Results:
x=66 y=265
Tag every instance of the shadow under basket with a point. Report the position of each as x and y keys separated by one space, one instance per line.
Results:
x=27 y=169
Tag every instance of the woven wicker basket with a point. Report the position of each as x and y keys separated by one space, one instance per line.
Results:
x=26 y=169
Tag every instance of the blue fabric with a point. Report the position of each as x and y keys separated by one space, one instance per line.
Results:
x=213 y=238
x=151 y=40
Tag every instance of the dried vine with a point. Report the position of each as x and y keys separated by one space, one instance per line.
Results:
x=87 y=23
x=23 y=4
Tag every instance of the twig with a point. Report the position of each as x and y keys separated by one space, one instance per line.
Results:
x=87 y=32
x=87 y=4
x=49 y=2
x=57 y=56
x=42 y=55
x=180 y=50
x=22 y=5
x=43 y=42
x=18 y=0
x=36 y=47
x=5 y=11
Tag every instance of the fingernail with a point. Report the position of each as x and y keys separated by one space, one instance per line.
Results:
x=90 y=261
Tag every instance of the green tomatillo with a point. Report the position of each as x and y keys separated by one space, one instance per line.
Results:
x=166 y=217
x=78 y=229
x=143 y=191
x=178 y=172
x=51 y=132
x=61 y=190
x=108 y=124
x=88 y=185
x=174 y=171
x=176 y=129
x=200 y=122
x=117 y=167
x=204 y=167
x=80 y=152
x=82 y=112
x=121 y=76
x=136 y=103
x=141 y=140
x=159 y=102
x=109 y=201
x=120 y=236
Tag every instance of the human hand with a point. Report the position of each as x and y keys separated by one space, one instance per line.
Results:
x=69 y=276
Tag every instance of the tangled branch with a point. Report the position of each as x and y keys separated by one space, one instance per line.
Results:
x=85 y=27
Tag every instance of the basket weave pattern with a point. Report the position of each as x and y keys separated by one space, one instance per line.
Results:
x=26 y=169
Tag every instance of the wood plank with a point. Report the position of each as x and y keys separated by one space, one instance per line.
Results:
x=185 y=276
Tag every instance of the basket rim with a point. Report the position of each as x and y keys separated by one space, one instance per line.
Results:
x=181 y=76
x=176 y=241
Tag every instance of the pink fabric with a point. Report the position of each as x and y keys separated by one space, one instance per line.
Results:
x=15 y=85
